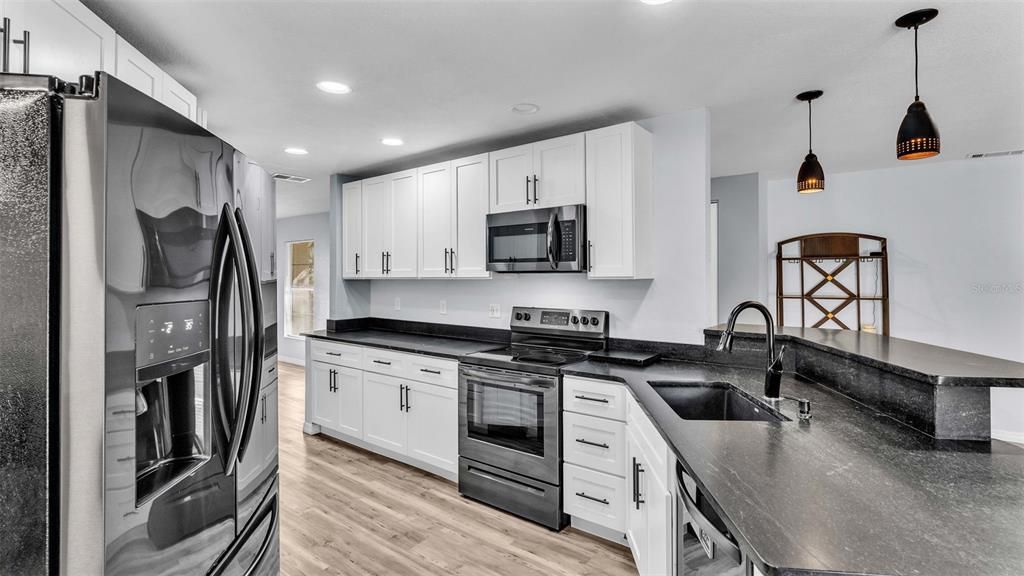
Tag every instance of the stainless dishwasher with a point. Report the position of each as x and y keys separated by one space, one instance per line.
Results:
x=704 y=545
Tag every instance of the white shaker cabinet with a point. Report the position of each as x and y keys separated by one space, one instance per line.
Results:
x=376 y=226
x=325 y=404
x=433 y=424
x=559 y=175
x=352 y=231
x=469 y=179
x=65 y=38
x=539 y=175
x=511 y=179
x=268 y=260
x=178 y=98
x=402 y=251
x=620 y=206
x=437 y=219
x=650 y=516
x=384 y=421
x=138 y=71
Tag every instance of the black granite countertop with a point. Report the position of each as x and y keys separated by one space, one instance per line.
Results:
x=850 y=492
x=939 y=365
x=408 y=342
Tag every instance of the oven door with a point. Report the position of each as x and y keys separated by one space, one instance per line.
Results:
x=541 y=240
x=510 y=420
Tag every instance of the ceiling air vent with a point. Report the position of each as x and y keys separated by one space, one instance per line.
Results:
x=996 y=154
x=290 y=178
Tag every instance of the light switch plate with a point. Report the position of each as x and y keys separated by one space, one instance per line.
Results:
x=398 y=303
x=444 y=307
x=494 y=311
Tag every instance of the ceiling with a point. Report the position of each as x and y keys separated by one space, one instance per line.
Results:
x=444 y=74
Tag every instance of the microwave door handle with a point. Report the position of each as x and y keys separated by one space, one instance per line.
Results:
x=258 y=344
x=242 y=405
x=552 y=238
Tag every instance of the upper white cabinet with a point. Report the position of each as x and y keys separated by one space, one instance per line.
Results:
x=376 y=226
x=178 y=98
x=268 y=261
x=437 y=220
x=402 y=252
x=65 y=38
x=453 y=219
x=138 y=71
x=469 y=178
x=620 y=207
x=539 y=175
x=352 y=230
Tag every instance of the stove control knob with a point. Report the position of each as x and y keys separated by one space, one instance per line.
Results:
x=575 y=320
x=526 y=316
x=593 y=320
x=519 y=315
x=585 y=320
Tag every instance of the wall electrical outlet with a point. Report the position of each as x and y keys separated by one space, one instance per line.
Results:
x=398 y=303
x=494 y=311
x=444 y=306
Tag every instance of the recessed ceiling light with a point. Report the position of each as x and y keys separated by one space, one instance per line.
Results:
x=525 y=108
x=654 y=2
x=297 y=151
x=391 y=141
x=333 y=87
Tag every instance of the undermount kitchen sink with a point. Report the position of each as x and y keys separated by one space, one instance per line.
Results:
x=713 y=401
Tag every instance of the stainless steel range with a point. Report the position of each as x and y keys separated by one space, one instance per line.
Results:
x=510 y=402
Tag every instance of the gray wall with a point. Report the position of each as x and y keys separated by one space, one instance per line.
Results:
x=738 y=271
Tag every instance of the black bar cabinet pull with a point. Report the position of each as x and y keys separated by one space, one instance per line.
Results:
x=636 y=490
x=401 y=397
x=589 y=399
x=527 y=189
x=382 y=268
x=589 y=497
x=445 y=260
x=24 y=54
x=334 y=353
x=429 y=371
x=357 y=262
x=389 y=262
x=638 y=470
x=589 y=443
x=382 y=362
x=452 y=252
x=534 y=188
x=407 y=406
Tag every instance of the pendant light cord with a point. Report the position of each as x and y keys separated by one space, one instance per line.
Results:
x=810 y=134
x=917 y=95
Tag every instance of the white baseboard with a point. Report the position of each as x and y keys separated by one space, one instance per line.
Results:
x=310 y=428
x=296 y=361
x=1009 y=436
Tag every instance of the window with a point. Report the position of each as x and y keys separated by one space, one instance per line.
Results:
x=299 y=294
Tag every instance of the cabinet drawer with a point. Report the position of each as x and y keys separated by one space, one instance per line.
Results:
x=594 y=397
x=385 y=362
x=595 y=443
x=269 y=371
x=595 y=496
x=432 y=370
x=336 y=353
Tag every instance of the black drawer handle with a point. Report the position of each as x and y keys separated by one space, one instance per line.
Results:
x=589 y=443
x=382 y=362
x=589 y=497
x=272 y=368
x=334 y=353
x=429 y=371
x=589 y=399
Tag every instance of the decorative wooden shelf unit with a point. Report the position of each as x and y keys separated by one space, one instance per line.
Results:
x=825 y=257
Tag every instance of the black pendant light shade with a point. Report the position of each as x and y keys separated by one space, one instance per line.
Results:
x=918 y=137
x=811 y=177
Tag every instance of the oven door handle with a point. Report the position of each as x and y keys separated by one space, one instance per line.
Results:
x=518 y=381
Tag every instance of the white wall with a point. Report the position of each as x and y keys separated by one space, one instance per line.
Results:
x=738 y=238
x=313 y=227
x=955 y=234
x=671 y=308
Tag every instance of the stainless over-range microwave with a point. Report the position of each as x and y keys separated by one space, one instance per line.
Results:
x=539 y=240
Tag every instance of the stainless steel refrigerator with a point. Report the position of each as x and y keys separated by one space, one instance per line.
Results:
x=136 y=350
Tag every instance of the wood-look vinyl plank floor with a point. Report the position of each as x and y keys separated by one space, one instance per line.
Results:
x=349 y=511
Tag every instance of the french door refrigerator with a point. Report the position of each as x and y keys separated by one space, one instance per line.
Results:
x=132 y=339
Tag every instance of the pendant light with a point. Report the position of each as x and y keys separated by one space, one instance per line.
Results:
x=918 y=137
x=811 y=177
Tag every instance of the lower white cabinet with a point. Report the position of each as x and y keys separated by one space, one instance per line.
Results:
x=650 y=514
x=384 y=411
x=593 y=496
x=432 y=424
x=262 y=448
x=405 y=405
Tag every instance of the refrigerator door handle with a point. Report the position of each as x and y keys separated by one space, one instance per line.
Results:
x=244 y=404
x=258 y=344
